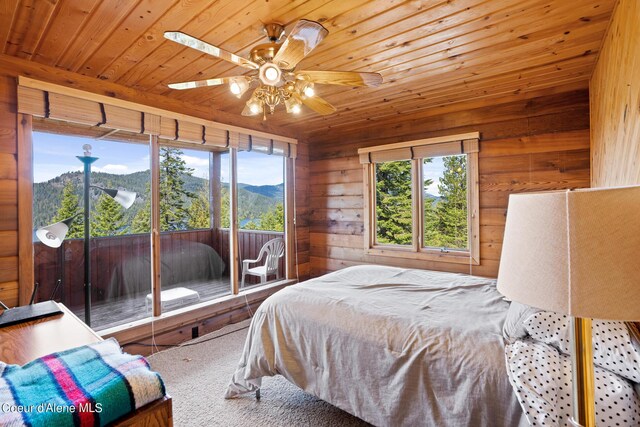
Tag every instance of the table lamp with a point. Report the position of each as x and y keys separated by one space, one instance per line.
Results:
x=575 y=253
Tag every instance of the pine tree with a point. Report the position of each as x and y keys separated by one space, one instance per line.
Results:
x=142 y=221
x=273 y=220
x=70 y=207
x=199 y=216
x=452 y=208
x=173 y=196
x=224 y=208
x=393 y=202
x=251 y=225
x=107 y=218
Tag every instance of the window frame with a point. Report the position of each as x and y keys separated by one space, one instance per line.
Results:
x=27 y=109
x=416 y=250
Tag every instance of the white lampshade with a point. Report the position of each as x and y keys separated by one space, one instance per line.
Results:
x=125 y=198
x=239 y=86
x=53 y=235
x=574 y=252
x=293 y=105
x=269 y=74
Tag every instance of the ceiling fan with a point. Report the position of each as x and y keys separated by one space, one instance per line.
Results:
x=273 y=70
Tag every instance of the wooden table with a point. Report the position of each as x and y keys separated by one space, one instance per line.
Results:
x=24 y=342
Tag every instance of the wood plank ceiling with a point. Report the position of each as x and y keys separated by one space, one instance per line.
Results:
x=432 y=54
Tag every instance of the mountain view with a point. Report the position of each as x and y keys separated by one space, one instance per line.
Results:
x=253 y=201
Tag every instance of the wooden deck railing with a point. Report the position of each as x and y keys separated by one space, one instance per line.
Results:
x=109 y=253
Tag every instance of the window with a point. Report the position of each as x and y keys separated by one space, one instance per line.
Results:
x=393 y=203
x=260 y=192
x=422 y=199
x=445 y=203
x=120 y=273
x=194 y=250
x=176 y=205
x=261 y=217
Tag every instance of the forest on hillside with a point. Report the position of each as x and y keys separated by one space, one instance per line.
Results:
x=184 y=201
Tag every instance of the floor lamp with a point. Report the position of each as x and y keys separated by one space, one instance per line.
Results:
x=576 y=253
x=53 y=235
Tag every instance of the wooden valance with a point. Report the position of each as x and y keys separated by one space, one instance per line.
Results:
x=71 y=105
x=422 y=148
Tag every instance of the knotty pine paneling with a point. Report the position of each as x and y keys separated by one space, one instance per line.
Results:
x=615 y=102
x=531 y=145
x=431 y=54
x=302 y=207
x=8 y=192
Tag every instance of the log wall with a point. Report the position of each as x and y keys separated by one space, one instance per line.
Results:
x=615 y=101
x=8 y=192
x=531 y=145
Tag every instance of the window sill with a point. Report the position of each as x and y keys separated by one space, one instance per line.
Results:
x=426 y=255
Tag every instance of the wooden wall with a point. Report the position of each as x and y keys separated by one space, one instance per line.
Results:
x=302 y=201
x=8 y=192
x=615 y=102
x=11 y=67
x=529 y=145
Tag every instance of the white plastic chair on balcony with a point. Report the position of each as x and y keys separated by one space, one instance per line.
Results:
x=273 y=250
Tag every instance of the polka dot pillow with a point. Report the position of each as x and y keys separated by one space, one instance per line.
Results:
x=541 y=378
x=612 y=343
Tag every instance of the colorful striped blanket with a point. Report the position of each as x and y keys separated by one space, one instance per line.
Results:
x=86 y=386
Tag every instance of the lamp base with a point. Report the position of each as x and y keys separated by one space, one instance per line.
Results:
x=582 y=373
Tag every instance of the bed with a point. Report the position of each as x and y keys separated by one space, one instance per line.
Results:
x=391 y=346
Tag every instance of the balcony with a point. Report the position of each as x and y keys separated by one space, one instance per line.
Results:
x=197 y=260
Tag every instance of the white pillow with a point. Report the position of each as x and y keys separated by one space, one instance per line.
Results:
x=517 y=313
x=541 y=379
x=612 y=345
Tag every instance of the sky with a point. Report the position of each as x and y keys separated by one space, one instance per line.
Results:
x=433 y=171
x=55 y=154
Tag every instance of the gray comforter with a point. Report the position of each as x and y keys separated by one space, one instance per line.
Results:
x=394 y=347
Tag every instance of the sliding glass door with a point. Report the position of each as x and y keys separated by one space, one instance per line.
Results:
x=194 y=254
x=110 y=286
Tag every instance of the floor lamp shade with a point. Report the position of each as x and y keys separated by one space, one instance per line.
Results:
x=574 y=252
x=53 y=235
x=123 y=197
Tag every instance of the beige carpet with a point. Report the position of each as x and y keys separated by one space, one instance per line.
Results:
x=196 y=377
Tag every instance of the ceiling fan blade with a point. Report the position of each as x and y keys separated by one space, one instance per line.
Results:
x=344 y=78
x=205 y=83
x=304 y=37
x=194 y=43
x=318 y=105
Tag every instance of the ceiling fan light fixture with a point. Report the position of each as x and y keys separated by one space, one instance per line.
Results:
x=277 y=80
x=309 y=91
x=305 y=88
x=293 y=105
x=234 y=87
x=238 y=87
x=255 y=106
x=270 y=74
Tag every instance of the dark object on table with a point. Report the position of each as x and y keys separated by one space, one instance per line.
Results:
x=29 y=312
